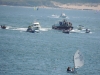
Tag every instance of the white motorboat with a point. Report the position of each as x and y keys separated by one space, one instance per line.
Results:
x=35 y=27
x=63 y=15
x=80 y=27
x=78 y=62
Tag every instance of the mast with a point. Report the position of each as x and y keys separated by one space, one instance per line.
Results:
x=73 y=62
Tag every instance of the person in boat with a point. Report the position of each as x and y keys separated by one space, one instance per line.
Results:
x=68 y=69
x=3 y=27
x=64 y=22
x=60 y=23
x=29 y=28
x=87 y=31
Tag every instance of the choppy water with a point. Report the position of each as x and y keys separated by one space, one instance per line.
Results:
x=49 y=52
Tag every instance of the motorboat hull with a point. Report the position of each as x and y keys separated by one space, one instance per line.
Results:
x=3 y=27
x=66 y=31
x=32 y=31
x=63 y=25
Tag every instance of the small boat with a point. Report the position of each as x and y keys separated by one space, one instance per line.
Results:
x=80 y=27
x=3 y=27
x=87 y=31
x=53 y=15
x=30 y=29
x=35 y=27
x=61 y=25
x=78 y=62
x=63 y=15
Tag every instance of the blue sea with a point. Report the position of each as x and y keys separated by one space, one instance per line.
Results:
x=48 y=52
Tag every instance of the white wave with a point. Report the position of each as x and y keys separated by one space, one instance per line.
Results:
x=75 y=31
x=45 y=29
x=78 y=31
x=67 y=17
x=20 y=29
x=54 y=16
x=8 y=27
x=91 y=32
x=25 y=29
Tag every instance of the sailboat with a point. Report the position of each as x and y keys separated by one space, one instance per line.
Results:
x=78 y=61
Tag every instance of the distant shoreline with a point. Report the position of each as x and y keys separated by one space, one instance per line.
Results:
x=76 y=6
x=79 y=6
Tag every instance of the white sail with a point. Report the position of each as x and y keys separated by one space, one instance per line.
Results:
x=78 y=59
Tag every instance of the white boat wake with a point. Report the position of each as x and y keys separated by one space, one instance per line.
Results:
x=54 y=16
x=78 y=31
x=45 y=29
x=20 y=29
x=25 y=29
